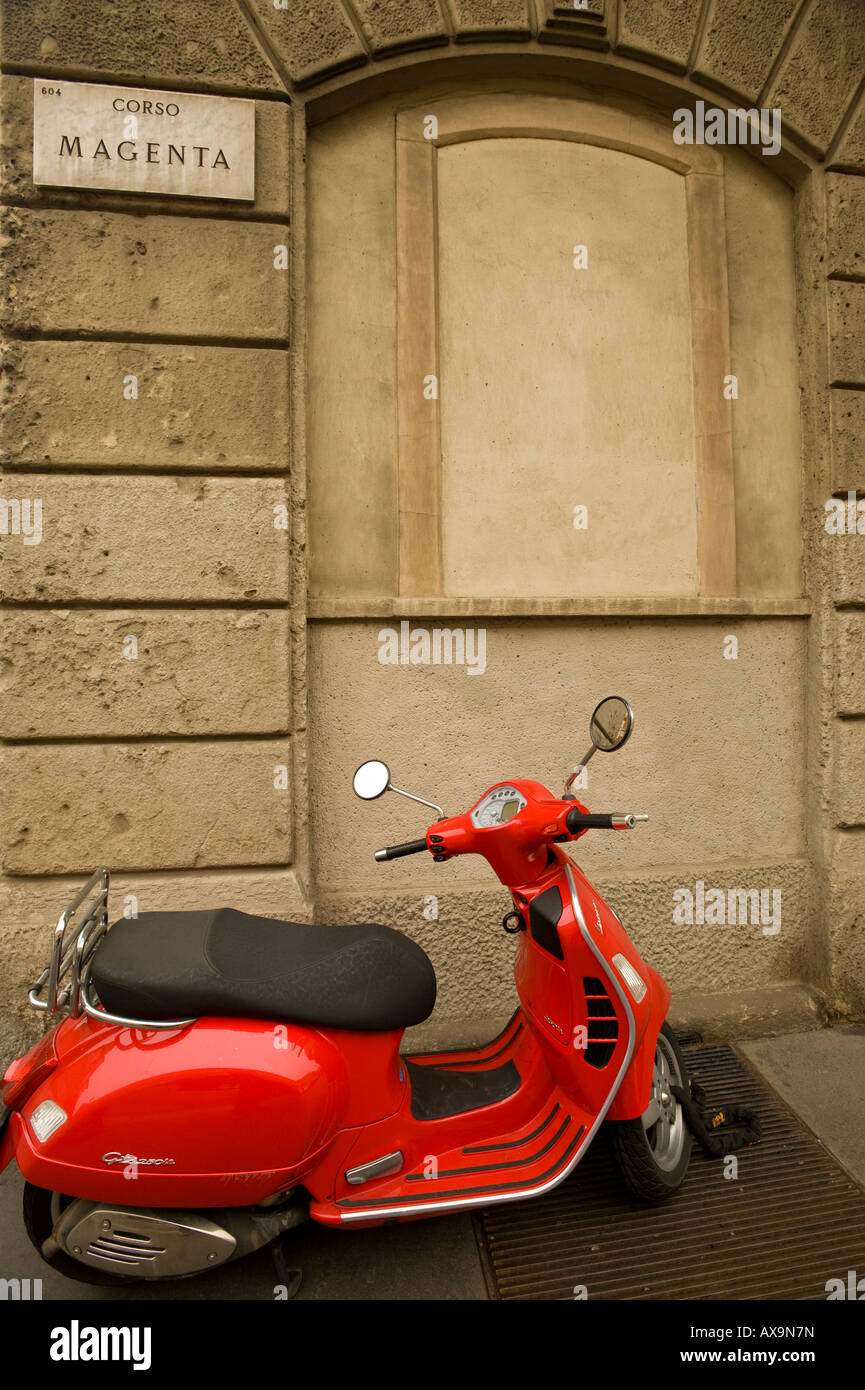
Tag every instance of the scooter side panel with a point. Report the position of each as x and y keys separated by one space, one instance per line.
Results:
x=224 y=1112
x=554 y=969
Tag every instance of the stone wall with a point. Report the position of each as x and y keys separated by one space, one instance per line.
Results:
x=185 y=768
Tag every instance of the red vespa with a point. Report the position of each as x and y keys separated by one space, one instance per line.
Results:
x=218 y=1078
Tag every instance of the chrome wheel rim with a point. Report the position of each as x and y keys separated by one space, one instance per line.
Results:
x=663 y=1120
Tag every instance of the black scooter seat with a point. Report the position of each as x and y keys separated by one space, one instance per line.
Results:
x=164 y=965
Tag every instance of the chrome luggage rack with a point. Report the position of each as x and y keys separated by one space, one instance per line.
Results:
x=64 y=987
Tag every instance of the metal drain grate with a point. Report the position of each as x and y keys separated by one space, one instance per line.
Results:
x=790 y=1221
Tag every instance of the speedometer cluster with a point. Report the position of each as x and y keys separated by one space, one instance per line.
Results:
x=499 y=805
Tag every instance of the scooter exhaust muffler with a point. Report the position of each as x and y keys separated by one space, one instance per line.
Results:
x=163 y=1243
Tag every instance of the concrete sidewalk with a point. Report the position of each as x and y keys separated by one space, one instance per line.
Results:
x=820 y=1074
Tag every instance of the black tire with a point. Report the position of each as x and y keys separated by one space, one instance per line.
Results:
x=652 y=1158
x=41 y=1210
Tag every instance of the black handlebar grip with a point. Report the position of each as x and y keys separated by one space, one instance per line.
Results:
x=395 y=851
x=588 y=820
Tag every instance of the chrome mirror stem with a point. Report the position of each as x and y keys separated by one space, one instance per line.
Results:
x=392 y=788
x=579 y=767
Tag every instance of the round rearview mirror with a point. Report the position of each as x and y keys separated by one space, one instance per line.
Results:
x=611 y=723
x=371 y=780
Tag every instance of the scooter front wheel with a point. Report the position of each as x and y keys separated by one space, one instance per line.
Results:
x=652 y=1153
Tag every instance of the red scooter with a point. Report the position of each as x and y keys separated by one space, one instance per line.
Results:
x=218 y=1078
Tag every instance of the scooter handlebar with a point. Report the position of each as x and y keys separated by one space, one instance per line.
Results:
x=576 y=820
x=395 y=851
x=600 y=820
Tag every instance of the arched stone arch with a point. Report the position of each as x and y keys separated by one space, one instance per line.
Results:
x=805 y=55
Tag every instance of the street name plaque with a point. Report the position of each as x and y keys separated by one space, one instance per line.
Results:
x=133 y=140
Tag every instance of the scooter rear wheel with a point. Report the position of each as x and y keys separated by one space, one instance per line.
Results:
x=652 y=1153
x=41 y=1210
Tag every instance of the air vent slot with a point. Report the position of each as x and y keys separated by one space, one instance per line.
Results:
x=603 y=1026
x=125 y=1248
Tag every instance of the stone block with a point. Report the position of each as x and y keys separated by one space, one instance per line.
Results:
x=160 y=539
x=660 y=30
x=491 y=18
x=409 y=24
x=848 y=440
x=144 y=405
x=845 y=224
x=846 y=332
x=140 y=806
x=113 y=273
x=312 y=37
x=199 y=44
x=822 y=70
x=122 y=673
x=850 y=773
x=741 y=42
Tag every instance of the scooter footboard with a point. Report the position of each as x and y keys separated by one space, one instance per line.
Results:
x=632 y=1097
